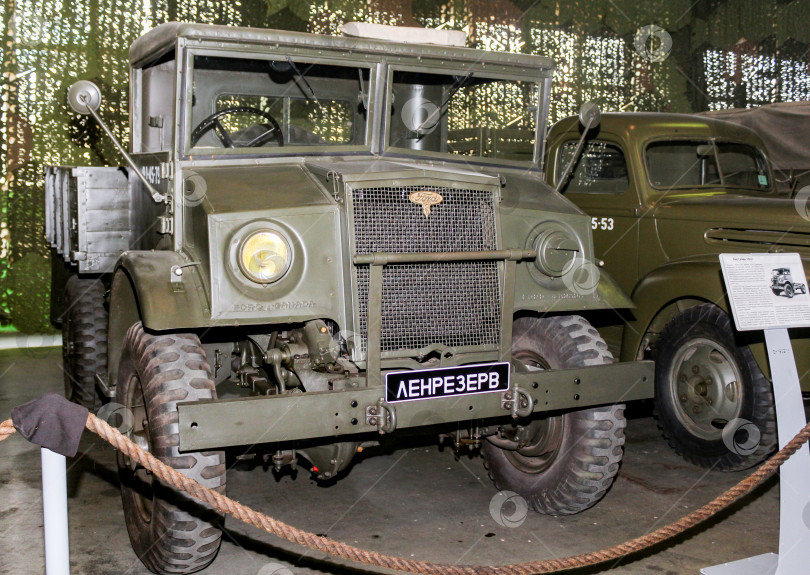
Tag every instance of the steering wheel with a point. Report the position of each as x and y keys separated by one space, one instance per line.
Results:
x=271 y=131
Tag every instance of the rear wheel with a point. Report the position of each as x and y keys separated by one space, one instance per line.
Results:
x=713 y=404
x=563 y=464
x=84 y=340
x=170 y=532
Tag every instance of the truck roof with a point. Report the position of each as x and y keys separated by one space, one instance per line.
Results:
x=642 y=126
x=161 y=39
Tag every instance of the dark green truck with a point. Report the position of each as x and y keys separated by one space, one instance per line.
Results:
x=318 y=242
x=667 y=193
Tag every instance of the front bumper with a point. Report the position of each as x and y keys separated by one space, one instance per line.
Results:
x=216 y=424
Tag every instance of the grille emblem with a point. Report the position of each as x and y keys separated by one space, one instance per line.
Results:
x=426 y=199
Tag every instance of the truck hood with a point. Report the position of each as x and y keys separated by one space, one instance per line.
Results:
x=226 y=189
x=519 y=189
x=311 y=182
x=730 y=207
x=737 y=219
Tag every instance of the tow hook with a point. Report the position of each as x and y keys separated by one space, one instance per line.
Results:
x=383 y=415
x=518 y=402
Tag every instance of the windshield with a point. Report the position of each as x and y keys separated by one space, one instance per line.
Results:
x=260 y=104
x=696 y=163
x=464 y=114
x=599 y=169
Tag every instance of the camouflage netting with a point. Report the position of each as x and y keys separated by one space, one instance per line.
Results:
x=673 y=55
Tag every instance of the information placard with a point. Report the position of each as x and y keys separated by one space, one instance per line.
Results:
x=767 y=291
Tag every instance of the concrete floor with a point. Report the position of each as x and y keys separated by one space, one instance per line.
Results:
x=414 y=501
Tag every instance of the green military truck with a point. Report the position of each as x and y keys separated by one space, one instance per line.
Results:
x=667 y=193
x=318 y=242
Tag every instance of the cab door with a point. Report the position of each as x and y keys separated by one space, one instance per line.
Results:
x=601 y=184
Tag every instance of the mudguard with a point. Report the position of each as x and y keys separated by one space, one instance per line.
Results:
x=611 y=294
x=142 y=290
x=165 y=304
x=693 y=279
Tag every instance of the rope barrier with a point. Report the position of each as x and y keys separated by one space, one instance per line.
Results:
x=6 y=429
x=275 y=527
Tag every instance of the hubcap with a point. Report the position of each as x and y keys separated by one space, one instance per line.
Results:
x=542 y=438
x=139 y=434
x=705 y=387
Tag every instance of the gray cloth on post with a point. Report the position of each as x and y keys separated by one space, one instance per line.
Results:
x=52 y=422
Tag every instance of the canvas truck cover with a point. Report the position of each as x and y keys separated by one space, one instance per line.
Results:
x=784 y=127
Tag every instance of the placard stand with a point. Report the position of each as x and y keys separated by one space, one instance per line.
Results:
x=794 y=475
x=54 y=510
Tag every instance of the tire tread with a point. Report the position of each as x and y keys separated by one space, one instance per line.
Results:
x=183 y=536
x=86 y=316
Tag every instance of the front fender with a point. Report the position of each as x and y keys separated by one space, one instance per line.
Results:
x=165 y=304
x=142 y=290
x=697 y=279
x=691 y=282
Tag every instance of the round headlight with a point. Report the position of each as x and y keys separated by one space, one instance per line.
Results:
x=265 y=256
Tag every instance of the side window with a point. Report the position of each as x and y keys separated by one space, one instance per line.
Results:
x=743 y=166
x=600 y=169
x=691 y=164
x=157 y=112
x=682 y=163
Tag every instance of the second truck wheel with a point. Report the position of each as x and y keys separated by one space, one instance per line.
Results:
x=705 y=382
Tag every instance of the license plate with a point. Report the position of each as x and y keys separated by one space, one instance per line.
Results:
x=446 y=382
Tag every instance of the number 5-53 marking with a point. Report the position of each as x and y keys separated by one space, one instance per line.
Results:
x=602 y=223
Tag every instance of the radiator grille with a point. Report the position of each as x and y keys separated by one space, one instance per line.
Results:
x=452 y=303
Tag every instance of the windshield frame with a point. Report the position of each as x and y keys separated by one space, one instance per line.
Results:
x=709 y=140
x=490 y=72
x=302 y=58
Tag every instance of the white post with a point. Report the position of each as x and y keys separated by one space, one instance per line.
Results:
x=794 y=495
x=54 y=507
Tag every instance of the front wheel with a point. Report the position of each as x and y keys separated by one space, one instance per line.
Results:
x=713 y=404
x=789 y=290
x=562 y=464
x=169 y=532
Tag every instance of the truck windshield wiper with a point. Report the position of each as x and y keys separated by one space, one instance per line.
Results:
x=442 y=109
x=363 y=95
x=303 y=78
